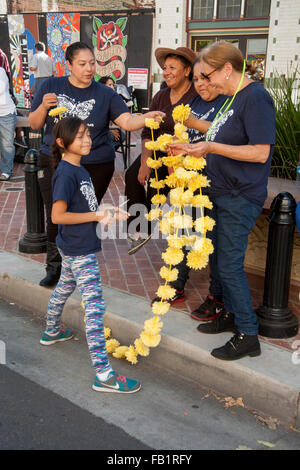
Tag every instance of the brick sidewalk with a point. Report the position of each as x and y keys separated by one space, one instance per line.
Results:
x=137 y=274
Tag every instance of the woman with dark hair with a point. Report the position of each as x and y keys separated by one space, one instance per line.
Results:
x=238 y=150
x=94 y=103
x=177 y=67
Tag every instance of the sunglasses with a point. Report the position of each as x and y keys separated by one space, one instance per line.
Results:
x=206 y=76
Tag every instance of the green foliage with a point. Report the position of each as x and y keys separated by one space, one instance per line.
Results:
x=285 y=91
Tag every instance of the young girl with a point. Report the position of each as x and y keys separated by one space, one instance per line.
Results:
x=75 y=210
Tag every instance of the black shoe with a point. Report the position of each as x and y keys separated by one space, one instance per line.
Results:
x=224 y=322
x=50 y=280
x=209 y=310
x=239 y=346
x=178 y=297
x=137 y=244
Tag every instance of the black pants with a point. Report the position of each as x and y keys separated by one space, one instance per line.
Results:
x=136 y=192
x=101 y=175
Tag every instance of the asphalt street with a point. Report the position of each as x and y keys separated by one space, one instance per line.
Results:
x=46 y=402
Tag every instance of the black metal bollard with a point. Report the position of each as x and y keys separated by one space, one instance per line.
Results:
x=35 y=239
x=275 y=318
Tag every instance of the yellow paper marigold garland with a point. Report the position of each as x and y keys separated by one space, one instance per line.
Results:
x=184 y=181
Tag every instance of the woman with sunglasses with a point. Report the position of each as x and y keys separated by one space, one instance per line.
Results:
x=238 y=150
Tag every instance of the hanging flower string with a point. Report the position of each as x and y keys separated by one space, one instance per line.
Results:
x=183 y=181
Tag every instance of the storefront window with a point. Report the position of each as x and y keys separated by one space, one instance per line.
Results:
x=257 y=8
x=203 y=9
x=256 y=54
x=229 y=9
x=200 y=44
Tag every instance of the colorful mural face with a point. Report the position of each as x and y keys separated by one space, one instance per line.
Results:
x=19 y=60
x=110 y=43
x=62 y=30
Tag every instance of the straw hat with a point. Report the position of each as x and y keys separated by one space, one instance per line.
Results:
x=162 y=52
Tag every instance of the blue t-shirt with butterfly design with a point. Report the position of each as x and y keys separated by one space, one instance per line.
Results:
x=72 y=184
x=96 y=105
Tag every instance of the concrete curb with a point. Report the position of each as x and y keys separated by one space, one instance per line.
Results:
x=276 y=397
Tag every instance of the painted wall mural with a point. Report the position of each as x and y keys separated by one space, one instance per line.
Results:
x=19 y=59
x=62 y=30
x=110 y=41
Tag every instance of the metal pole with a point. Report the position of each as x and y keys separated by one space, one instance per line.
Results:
x=35 y=239
x=275 y=318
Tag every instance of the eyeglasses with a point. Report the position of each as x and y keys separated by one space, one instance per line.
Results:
x=206 y=76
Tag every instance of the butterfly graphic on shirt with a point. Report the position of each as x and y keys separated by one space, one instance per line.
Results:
x=81 y=109
x=219 y=124
x=87 y=189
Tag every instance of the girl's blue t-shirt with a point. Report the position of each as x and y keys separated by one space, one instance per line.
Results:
x=72 y=184
x=206 y=111
x=96 y=105
x=249 y=121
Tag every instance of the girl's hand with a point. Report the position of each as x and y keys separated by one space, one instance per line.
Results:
x=49 y=100
x=120 y=214
x=104 y=217
x=144 y=173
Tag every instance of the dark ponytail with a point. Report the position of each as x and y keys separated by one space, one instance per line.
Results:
x=66 y=129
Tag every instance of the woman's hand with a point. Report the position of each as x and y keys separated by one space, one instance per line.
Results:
x=120 y=214
x=201 y=149
x=49 y=100
x=156 y=115
x=144 y=173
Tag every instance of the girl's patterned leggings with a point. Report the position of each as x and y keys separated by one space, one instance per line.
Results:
x=82 y=271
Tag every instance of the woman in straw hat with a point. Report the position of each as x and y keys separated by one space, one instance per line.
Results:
x=238 y=149
x=177 y=67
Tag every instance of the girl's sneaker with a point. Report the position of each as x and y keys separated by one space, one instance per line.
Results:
x=117 y=383
x=63 y=335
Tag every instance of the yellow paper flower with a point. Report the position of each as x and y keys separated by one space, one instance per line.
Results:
x=154 y=214
x=112 y=345
x=150 y=145
x=197 y=260
x=172 y=256
x=141 y=348
x=165 y=226
x=131 y=355
x=202 y=201
x=173 y=161
x=163 y=140
x=57 y=111
x=160 y=308
x=204 y=223
x=107 y=332
x=171 y=180
x=180 y=198
x=185 y=175
x=159 y=199
x=180 y=132
x=183 y=221
x=165 y=292
x=149 y=340
x=200 y=181
x=175 y=242
x=157 y=184
x=120 y=352
x=189 y=240
x=207 y=246
x=151 y=163
x=151 y=123
x=181 y=113
x=169 y=276
x=153 y=326
x=194 y=163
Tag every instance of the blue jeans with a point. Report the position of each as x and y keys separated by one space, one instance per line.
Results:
x=235 y=217
x=7 y=148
